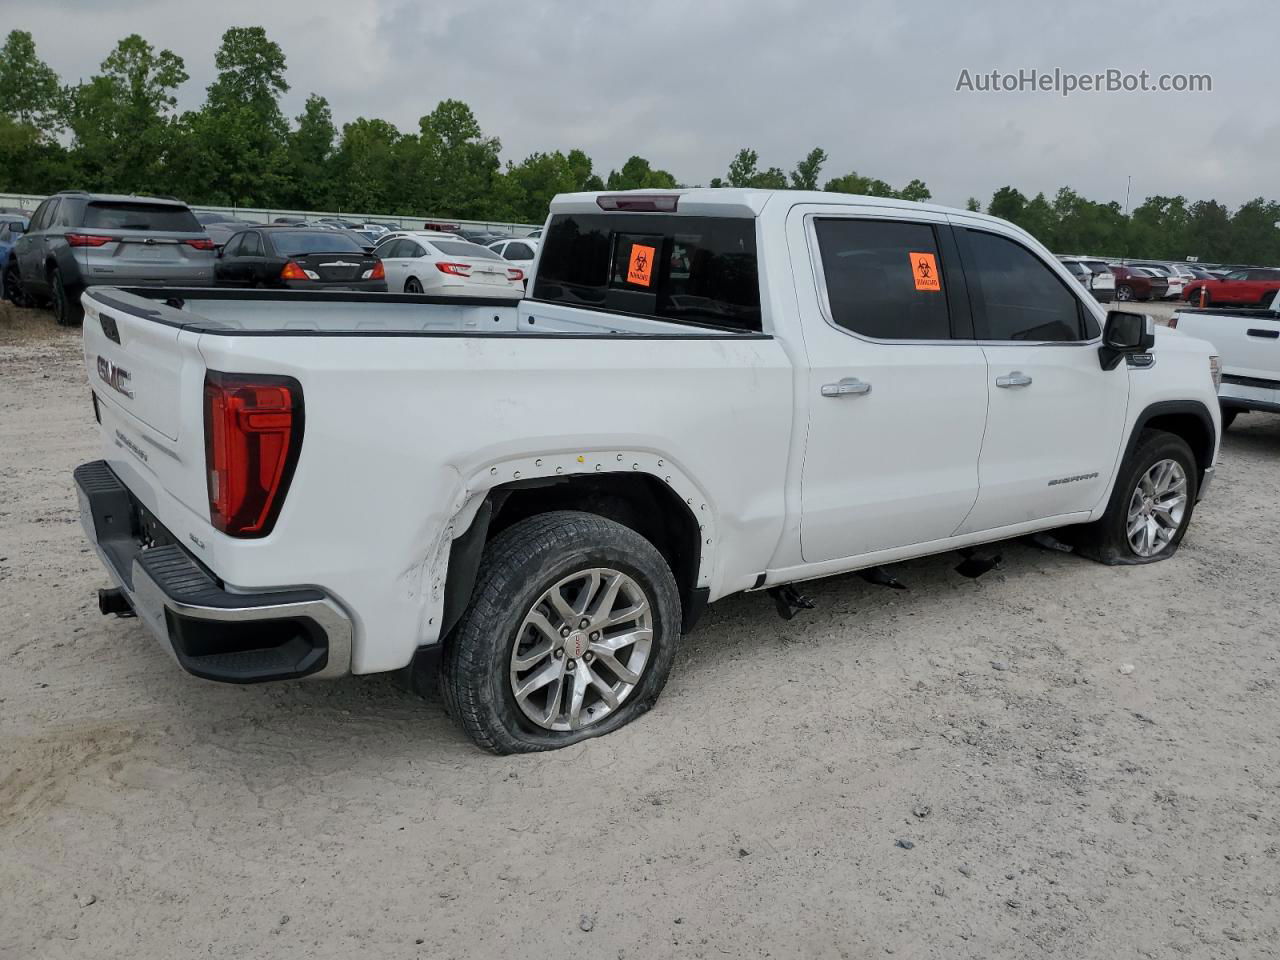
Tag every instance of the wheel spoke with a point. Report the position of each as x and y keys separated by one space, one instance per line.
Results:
x=548 y=674
x=618 y=641
x=624 y=674
x=634 y=612
x=531 y=658
x=586 y=593
x=576 y=696
x=556 y=699
x=605 y=690
x=561 y=606
x=601 y=609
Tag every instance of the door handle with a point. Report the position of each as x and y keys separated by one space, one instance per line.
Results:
x=1015 y=379
x=1269 y=334
x=848 y=387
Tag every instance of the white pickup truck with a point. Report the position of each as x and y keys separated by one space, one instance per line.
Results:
x=705 y=392
x=1248 y=342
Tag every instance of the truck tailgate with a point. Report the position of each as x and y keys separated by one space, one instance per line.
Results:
x=147 y=377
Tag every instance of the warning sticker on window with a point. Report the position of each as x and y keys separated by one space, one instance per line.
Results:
x=924 y=270
x=640 y=270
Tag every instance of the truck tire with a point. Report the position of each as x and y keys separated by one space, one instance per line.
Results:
x=1229 y=415
x=1150 y=507
x=570 y=633
x=66 y=304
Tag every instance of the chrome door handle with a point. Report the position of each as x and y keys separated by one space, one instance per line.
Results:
x=849 y=386
x=1015 y=379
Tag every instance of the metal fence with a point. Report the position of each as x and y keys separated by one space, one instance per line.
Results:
x=264 y=215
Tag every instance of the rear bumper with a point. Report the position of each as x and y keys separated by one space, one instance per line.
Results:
x=212 y=632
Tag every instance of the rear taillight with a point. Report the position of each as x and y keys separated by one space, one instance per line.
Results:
x=640 y=202
x=379 y=272
x=457 y=269
x=252 y=438
x=514 y=274
x=203 y=243
x=87 y=240
x=293 y=271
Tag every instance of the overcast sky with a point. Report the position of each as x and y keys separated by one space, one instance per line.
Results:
x=686 y=84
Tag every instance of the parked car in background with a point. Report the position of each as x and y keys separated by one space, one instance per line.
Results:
x=11 y=228
x=482 y=237
x=300 y=259
x=1173 y=279
x=290 y=220
x=1100 y=282
x=520 y=251
x=223 y=230
x=428 y=234
x=210 y=217
x=1135 y=283
x=1247 y=342
x=1249 y=287
x=78 y=239
x=425 y=262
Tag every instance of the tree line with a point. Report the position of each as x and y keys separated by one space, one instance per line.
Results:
x=121 y=131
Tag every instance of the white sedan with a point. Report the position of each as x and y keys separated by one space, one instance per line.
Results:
x=426 y=263
x=519 y=251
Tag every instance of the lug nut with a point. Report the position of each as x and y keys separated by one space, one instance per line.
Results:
x=565 y=631
x=595 y=637
x=584 y=624
x=588 y=656
x=570 y=665
x=559 y=654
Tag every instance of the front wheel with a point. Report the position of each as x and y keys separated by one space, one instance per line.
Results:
x=1229 y=415
x=570 y=633
x=1124 y=292
x=66 y=306
x=1151 y=505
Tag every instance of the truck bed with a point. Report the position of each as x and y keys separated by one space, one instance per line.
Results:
x=290 y=312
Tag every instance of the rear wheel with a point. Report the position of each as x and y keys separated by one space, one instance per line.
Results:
x=1151 y=504
x=412 y=285
x=11 y=283
x=571 y=631
x=66 y=305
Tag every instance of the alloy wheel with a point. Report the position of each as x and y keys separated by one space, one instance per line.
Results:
x=1156 y=508
x=582 y=649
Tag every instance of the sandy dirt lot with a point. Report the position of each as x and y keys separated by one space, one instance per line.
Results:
x=957 y=771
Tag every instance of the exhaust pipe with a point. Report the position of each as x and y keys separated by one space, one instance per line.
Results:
x=114 y=601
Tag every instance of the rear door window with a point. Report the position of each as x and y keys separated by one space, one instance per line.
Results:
x=884 y=278
x=518 y=251
x=696 y=270
x=251 y=246
x=1016 y=295
x=116 y=215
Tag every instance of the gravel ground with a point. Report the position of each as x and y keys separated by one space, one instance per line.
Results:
x=966 y=770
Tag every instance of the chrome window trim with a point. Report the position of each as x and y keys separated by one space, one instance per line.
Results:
x=824 y=301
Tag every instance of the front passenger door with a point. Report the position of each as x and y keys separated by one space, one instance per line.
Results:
x=1055 y=417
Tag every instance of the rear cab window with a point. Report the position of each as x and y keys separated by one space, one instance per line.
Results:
x=119 y=215
x=701 y=271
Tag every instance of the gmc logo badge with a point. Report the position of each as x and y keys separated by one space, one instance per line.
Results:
x=117 y=378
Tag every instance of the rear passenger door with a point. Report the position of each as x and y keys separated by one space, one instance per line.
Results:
x=896 y=388
x=1055 y=417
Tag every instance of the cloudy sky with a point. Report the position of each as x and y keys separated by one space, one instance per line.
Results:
x=686 y=84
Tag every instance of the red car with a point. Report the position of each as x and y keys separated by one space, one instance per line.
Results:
x=1137 y=283
x=1247 y=287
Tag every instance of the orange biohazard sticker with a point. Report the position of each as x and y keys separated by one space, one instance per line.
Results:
x=640 y=270
x=924 y=270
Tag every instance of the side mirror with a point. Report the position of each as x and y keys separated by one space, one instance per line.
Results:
x=1125 y=334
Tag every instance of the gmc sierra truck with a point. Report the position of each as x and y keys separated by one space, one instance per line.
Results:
x=706 y=391
x=1248 y=342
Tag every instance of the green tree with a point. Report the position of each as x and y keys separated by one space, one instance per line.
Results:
x=1007 y=203
x=637 y=174
x=743 y=172
x=854 y=182
x=1209 y=232
x=234 y=147
x=29 y=89
x=1254 y=238
x=915 y=190
x=122 y=120
x=457 y=169
x=310 y=153
x=805 y=175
